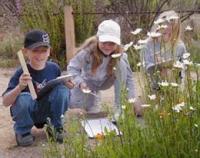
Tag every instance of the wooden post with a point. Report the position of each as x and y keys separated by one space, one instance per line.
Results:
x=69 y=32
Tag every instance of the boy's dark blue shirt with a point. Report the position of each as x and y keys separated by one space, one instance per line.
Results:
x=39 y=77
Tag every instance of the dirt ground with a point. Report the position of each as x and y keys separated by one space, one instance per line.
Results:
x=8 y=146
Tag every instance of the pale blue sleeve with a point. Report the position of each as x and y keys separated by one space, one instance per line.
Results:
x=75 y=66
x=180 y=50
x=147 y=59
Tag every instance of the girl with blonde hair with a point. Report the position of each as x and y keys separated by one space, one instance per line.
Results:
x=164 y=47
x=99 y=64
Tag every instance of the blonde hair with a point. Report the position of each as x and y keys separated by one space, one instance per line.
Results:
x=176 y=25
x=97 y=56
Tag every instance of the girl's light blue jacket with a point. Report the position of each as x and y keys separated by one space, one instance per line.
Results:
x=80 y=67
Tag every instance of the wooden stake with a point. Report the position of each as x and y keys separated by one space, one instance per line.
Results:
x=25 y=70
x=69 y=32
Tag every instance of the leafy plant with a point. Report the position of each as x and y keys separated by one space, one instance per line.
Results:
x=8 y=48
x=48 y=15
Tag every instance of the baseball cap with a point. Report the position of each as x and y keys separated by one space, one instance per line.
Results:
x=36 y=38
x=109 y=31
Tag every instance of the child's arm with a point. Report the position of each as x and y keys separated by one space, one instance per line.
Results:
x=75 y=67
x=10 y=97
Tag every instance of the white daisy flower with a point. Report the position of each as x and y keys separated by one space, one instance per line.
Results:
x=136 y=31
x=145 y=105
x=126 y=47
x=173 y=17
x=191 y=108
x=159 y=21
x=196 y=125
x=143 y=41
x=197 y=64
x=187 y=62
x=86 y=91
x=186 y=55
x=161 y=27
x=131 y=100
x=139 y=64
x=188 y=28
x=154 y=34
x=178 y=65
x=114 y=68
x=178 y=107
x=123 y=107
x=152 y=97
x=164 y=83
x=116 y=55
x=181 y=104
x=138 y=46
x=173 y=84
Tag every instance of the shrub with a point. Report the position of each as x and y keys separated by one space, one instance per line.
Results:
x=8 y=49
x=48 y=15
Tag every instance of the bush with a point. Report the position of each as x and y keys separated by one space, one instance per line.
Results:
x=48 y=15
x=169 y=128
x=8 y=49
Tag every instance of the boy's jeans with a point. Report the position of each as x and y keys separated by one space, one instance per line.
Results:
x=26 y=112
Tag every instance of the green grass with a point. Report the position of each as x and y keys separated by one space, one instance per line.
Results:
x=165 y=132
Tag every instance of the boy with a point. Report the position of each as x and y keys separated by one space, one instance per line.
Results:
x=25 y=111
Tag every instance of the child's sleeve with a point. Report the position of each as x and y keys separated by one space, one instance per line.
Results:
x=14 y=80
x=180 y=50
x=147 y=58
x=75 y=67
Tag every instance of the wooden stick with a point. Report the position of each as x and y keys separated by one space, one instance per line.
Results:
x=25 y=70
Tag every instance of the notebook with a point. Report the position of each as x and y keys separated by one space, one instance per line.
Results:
x=94 y=127
x=51 y=84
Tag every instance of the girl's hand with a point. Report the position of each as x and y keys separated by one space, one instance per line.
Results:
x=138 y=110
x=77 y=112
x=83 y=86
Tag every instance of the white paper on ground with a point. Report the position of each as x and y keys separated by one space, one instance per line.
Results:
x=93 y=127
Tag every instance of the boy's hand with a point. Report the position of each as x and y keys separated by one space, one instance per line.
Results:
x=23 y=81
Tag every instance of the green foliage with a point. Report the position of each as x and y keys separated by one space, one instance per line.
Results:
x=84 y=23
x=8 y=63
x=169 y=128
x=164 y=133
x=46 y=15
x=134 y=58
x=49 y=16
x=8 y=48
x=195 y=55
